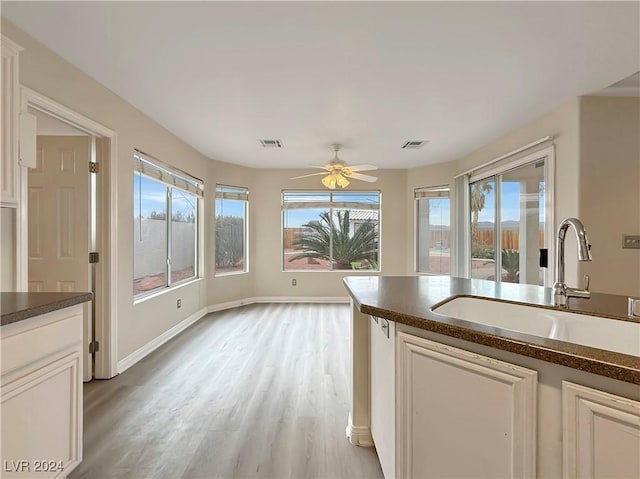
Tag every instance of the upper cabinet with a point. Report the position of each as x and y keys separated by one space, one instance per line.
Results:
x=10 y=110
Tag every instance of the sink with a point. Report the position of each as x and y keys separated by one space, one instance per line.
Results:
x=603 y=333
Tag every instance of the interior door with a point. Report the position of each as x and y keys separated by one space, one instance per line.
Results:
x=58 y=222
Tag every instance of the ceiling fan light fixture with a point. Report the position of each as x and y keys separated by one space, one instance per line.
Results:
x=338 y=173
x=342 y=181
x=329 y=181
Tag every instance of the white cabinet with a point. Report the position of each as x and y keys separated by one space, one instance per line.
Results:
x=461 y=409
x=461 y=414
x=601 y=434
x=41 y=394
x=10 y=100
x=383 y=427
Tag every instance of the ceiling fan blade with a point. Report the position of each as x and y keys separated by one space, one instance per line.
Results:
x=304 y=176
x=358 y=176
x=362 y=167
x=325 y=167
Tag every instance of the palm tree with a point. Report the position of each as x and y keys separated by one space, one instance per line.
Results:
x=478 y=191
x=332 y=242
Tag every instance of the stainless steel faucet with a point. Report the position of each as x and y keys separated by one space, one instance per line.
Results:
x=562 y=292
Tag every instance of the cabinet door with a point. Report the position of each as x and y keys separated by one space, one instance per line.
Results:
x=601 y=434
x=383 y=408
x=10 y=108
x=461 y=414
x=41 y=420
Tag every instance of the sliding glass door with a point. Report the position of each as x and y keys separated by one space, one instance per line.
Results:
x=508 y=224
x=482 y=198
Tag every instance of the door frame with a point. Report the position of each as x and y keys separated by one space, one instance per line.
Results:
x=107 y=271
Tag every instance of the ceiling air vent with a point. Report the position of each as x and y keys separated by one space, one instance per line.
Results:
x=414 y=144
x=271 y=143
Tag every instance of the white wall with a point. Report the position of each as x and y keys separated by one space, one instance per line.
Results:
x=151 y=259
x=610 y=190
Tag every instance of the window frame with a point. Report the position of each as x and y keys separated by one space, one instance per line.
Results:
x=245 y=233
x=161 y=173
x=430 y=193
x=316 y=204
x=495 y=170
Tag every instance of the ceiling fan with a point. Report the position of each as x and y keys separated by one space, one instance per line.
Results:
x=337 y=172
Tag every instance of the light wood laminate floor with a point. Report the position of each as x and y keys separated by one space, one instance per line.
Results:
x=257 y=391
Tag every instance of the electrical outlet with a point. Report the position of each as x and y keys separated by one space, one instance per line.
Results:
x=179 y=303
x=294 y=282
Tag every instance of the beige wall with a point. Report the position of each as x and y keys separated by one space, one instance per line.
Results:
x=610 y=190
x=563 y=124
x=7 y=249
x=272 y=281
x=222 y=289
x=434 y=175
x=47 y=73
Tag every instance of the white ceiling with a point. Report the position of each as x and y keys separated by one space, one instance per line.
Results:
x=629 y=86
x=369 y=75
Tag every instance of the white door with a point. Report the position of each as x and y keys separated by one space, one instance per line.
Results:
x=58 y=221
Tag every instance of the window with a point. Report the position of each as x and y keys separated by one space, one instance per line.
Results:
x=165 y=209
x=231 y=229
x=507 y=223
x=433 y=241
x=331 y=231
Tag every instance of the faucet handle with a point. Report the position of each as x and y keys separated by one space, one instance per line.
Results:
x=587 y=279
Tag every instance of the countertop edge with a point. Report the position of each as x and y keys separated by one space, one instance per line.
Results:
x=618 y=366
x=39 y=309
x=524 y=348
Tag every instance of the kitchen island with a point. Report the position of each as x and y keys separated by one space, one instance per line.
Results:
x=440 y=395
x=41 y=383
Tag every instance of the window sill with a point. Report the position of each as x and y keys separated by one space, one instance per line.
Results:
x=231 y=273
x=159 y=292
x=343 y=271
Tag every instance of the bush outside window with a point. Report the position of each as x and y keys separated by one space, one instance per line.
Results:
x=231 y=229
x=331 y=231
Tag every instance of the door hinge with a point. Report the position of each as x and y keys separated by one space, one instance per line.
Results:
x=94 y=167
x=94 y=257
x=94 y=347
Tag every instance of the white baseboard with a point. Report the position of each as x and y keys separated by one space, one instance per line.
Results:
x=212 y=308
x=154 y=344
x=299 y=299
x=359 y=435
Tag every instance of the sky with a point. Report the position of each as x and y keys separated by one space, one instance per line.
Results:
x=154 y=198
x=510 y=207
x=226 y=207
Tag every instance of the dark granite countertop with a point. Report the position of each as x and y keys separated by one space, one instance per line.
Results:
x=15 y=307
x=409 y=299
